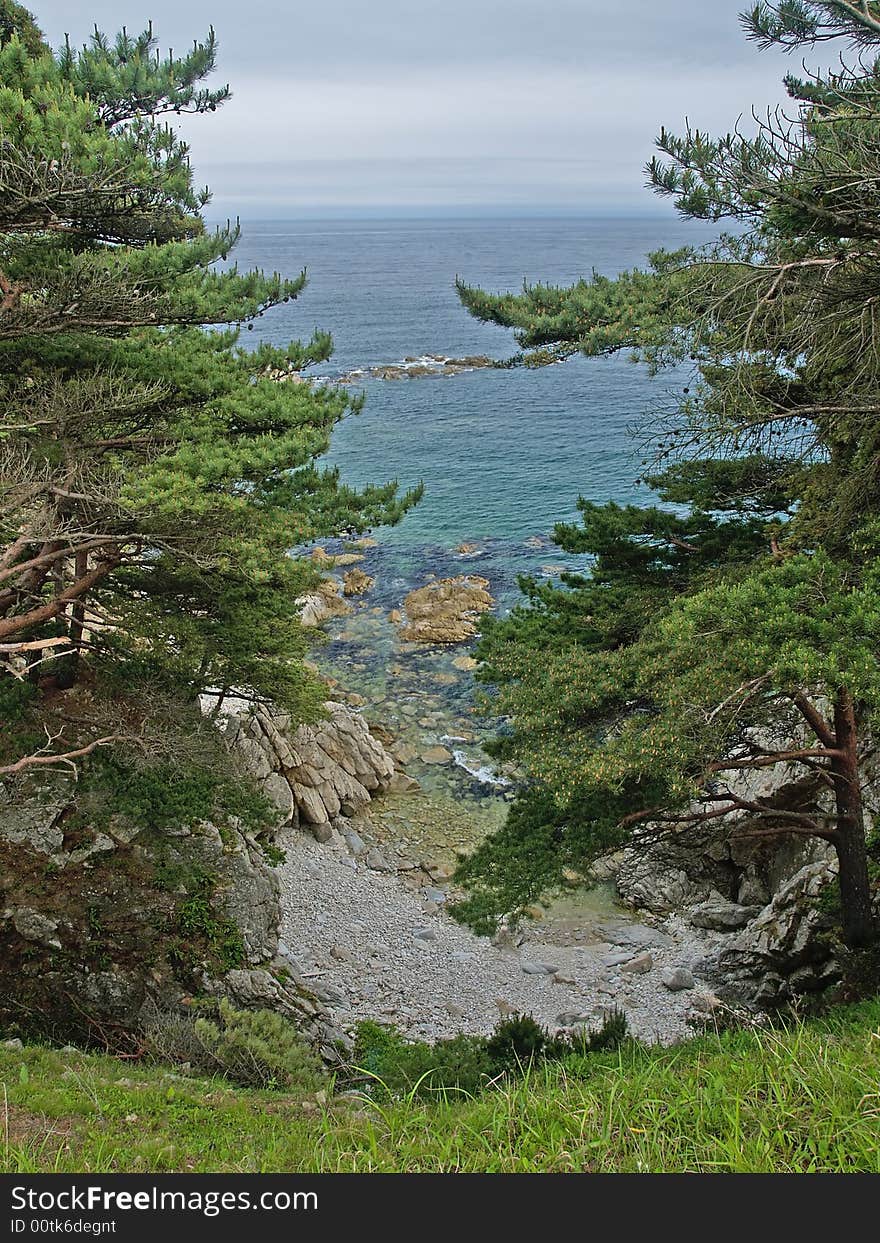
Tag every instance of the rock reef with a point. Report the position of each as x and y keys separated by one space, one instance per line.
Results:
x=446 y=611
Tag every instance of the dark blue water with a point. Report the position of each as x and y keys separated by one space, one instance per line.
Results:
x=503 y=454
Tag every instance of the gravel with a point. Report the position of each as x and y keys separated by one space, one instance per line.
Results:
x=364 y=940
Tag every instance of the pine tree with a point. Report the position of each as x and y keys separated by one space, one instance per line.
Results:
x=743 y=638
x=154 y=472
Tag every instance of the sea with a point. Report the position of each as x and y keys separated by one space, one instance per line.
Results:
x=503 y=454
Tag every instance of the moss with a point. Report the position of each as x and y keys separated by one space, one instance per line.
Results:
x=201 y=927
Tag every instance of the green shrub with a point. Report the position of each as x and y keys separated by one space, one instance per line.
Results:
x=258 y=1048
x=604 y=1039
x=515 y=1041
x=252 y=1048
x=163 y=795
x=397 y=1066
x=469 y=1064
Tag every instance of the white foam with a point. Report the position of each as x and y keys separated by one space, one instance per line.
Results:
x=480 y=772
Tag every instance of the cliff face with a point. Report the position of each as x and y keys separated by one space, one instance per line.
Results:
x=103 y=924
x=771 y=899
x=314 y=773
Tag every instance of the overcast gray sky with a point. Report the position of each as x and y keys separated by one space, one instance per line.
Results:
x=466 y=104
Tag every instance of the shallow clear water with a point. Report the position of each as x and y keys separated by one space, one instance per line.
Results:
x=504 y=454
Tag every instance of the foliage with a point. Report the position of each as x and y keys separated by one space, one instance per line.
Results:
x=730 y=630
x=154 y=473
x=253 y=1048
x=159 y=795
x=794 y=1099
x=466 y=1064
x=258 y=1048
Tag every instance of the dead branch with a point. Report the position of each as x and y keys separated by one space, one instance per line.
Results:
x=67 y=757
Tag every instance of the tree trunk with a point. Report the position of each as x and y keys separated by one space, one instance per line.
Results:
x=70 y=665
x=859 y=925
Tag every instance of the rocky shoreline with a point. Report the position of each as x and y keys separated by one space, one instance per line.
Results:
x=342 y=915
x=364 y=931
x=364 y=905
x=371 y=947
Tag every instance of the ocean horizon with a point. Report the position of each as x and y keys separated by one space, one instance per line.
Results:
x=503 y=454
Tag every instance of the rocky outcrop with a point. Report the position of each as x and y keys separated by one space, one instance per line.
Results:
x=665 y=876
x=314 y=773
x=105 y=924
x=323 y=604
x=681 y=874
x=331 y=560
x=719 y=915
x=446 y=611
x=787 y=950
x=416 y=368
x=762 y=897
x=356 y=583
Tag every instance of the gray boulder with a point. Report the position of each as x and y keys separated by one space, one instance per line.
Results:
x=677 y=979
x=786 y=950
x=722 y=916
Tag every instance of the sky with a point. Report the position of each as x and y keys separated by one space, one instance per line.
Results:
x=353 y=106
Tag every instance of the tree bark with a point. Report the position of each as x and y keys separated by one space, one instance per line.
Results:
x=70 y=666
x=36 y=616
x=859 y=925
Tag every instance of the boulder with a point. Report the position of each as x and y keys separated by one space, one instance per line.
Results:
x=446 y=611
x=403 y=752
x=402 y=783
x=321 y=605
x=280 y=795
x=722 y=916
x=376 y=860
x=637 y=935
x=356 y=582
x=640 y=965
x=330 y=767
x=677 y=979
x=33 y=926
x=436 y=755
x=786 y=950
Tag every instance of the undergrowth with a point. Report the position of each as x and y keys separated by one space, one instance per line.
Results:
x=799 y=1098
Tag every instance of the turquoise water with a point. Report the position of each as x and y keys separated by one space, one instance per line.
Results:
x=503 y=454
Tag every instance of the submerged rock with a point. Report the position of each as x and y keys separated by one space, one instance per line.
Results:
x=356 y=582
x=436 y=755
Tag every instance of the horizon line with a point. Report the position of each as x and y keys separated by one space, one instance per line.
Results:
x=438 y=211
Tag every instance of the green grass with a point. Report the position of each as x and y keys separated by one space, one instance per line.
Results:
x=805 y=1097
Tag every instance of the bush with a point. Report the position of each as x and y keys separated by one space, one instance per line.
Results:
x=252 y=1048
x=398 y=1066
x=469 y=1064
x=516 y=1041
